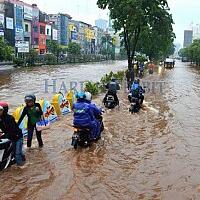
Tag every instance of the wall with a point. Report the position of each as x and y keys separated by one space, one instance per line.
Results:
x=35 y=29
x=9 y=23
x=42 y=38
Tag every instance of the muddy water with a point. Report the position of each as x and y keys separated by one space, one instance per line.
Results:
x=14 y=84
x=152 y=155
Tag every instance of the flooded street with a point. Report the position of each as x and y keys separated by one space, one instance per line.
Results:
x=16 y=83
x=151 y=155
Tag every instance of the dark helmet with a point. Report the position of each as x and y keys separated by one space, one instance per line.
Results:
x=30 y=97
x=4 y=107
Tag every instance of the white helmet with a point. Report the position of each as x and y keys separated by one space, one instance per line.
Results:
x=88 y=96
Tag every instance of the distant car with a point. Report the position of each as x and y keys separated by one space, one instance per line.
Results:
x=169 y=63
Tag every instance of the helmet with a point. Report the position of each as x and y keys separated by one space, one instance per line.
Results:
x=4 y=107
x=88 y=96
x=30 y=97
x=80 y=95
x=113 y=79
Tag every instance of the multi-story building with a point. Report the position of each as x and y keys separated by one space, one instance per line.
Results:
x=86 y=38
x=19 y=21
x=28 y=16
x=9 y=23
x=2 y=19
x=48 y=33
x=61 y=21
x=73 y=30
x=35 y=27
x=42 y=32
x=99 y=33
x=188 y=36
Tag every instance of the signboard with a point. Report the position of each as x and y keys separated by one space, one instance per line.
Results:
x=22 y=44
x=55 y=34
x=9 y=23
x=23 y=47
x=28 y=13
x=19 y=31
x=74 y=36
x=23 y=50
x=1 y=24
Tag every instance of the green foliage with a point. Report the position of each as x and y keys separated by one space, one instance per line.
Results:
x=19 y=61
x=108 y=47
x=183 y=52
x=31 y=57
x=137 y=18
x=92 y=88
x=74 y=49
x=6 y=51
x=54 y=48
x=107 y=78
x=95 y=88
x=141 y=58
x=192 y=52
x=50 y=59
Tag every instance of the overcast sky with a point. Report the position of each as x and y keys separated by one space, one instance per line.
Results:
x=184 y=11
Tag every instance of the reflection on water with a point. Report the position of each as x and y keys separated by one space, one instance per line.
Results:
x=151 y=155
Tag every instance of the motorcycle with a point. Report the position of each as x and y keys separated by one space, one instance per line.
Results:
x=135 y=105
x=81 y=136
x=5 y=153
x=110 y=102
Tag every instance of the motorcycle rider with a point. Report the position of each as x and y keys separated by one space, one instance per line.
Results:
x=83 y=115
x=34 y=113
x=96 y=112
x=141 y=69
x=112 y=88
x=130 y=77
x=11 y=131
x=136 y=91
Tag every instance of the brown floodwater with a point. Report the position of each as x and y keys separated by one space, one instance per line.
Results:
x=151 y=155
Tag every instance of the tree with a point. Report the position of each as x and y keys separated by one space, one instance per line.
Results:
x=54 y=47
x=108 y=46
x=31 y=57
x=134 y=17
x=6 y=51
x=192 y=52
x=157 y=43
x=74 y=50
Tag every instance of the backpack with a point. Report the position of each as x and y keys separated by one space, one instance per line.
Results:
x=112 y=87
x=135 y=90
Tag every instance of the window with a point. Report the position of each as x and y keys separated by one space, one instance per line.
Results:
x=26 y=28
x=35 y=29
x=42 y=30
x=48 y=32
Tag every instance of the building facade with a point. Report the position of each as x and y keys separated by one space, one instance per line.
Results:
x=188 y=37
x=22 y=23
x=61 y=21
